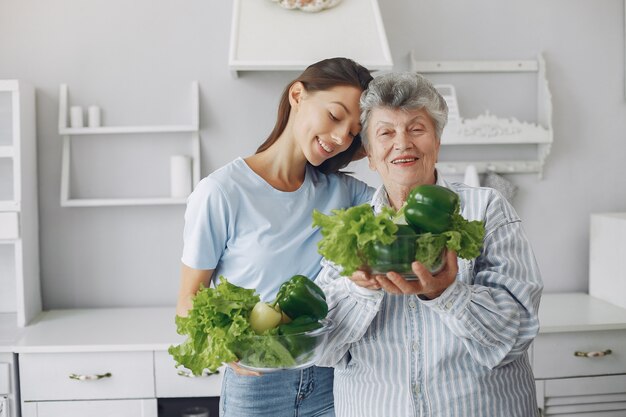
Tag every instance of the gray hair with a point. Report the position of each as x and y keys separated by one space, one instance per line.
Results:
x=406 y=91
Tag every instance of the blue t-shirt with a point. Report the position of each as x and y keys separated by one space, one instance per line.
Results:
x=255 y=235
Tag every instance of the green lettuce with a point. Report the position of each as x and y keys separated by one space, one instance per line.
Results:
x=348 y=236
x=218 y=331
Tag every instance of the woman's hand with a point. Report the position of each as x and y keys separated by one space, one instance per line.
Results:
x=365 y=280
x=242 y=371
x=426 y=284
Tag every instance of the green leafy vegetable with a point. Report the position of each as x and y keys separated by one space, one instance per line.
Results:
x=218 y=331
x=348 y=235
x=354 y=238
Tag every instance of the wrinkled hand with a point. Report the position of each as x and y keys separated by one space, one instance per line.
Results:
x=426 y=284
x=365 y=280
x=242 y=371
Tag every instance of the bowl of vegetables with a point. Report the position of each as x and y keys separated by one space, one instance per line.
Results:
x=428 y=225
x=229 y=323
x=293 y=345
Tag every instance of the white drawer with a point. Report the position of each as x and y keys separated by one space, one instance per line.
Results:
x=110 y=408
x=46 y=376
x=554 y=354
x=9 y=225
x=594 y=396
x=173 y=382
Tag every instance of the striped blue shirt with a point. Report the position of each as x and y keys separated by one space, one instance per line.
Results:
x=463 y=354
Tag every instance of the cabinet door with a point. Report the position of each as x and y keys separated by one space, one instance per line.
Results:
x=173 y=382
x=601 y=396
x=86 y=376
x=110 y=408
x=559 y=355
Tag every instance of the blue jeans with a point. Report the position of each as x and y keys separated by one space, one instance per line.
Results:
x=302 y=393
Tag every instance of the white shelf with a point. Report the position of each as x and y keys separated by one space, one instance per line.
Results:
x=9 y=205
x=7 y=151
x=488 y=129
x=267 y=37
x=19 y=215
x=108 y=130
x=99 y=202
x=68 y=133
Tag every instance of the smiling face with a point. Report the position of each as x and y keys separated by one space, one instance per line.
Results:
x=324 y=122
x=402 y=147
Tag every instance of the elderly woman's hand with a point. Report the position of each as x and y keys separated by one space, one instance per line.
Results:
x=365 y=280
x=426 y=285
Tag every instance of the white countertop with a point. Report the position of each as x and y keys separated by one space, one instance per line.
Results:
x=572 y=312
x=107 y=329
x=153 y=328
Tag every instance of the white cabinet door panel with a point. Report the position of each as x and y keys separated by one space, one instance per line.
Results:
x=554 y=354
x=172 y=382
x=46 y=376
x=110 y=408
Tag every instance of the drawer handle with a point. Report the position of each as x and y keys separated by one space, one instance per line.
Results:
x=90 y=377
x=596 y=354
x=189 y=374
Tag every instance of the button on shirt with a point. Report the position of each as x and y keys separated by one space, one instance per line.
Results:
x=463 y=354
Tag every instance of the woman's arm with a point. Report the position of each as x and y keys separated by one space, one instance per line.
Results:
x=496 y=315
x=190 y=281
x=350 y=307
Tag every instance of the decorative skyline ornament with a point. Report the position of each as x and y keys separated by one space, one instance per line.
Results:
x=307 y=5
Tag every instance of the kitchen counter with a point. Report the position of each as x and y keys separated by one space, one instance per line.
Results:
x=101 y=330
x=153 y=328
x=573 y=312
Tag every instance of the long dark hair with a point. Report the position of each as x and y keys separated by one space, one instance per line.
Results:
x=323 y=75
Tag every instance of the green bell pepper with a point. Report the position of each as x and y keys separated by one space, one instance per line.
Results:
x=302 y=297
x=294 y=336
x=430 y=208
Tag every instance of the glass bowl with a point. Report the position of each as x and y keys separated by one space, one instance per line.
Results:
x=279 y=352
x=398 y=257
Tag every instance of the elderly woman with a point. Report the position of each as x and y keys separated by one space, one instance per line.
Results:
x=453 y=344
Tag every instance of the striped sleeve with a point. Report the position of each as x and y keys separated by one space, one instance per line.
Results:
x=351 y=309
x=496 y=315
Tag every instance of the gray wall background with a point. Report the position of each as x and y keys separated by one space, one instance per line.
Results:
x=136 y=60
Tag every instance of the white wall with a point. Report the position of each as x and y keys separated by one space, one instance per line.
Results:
x=136 y=60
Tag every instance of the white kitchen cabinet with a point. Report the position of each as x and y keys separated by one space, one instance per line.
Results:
x=109 y=408
x=118 y=357
x=86 y=376
x=20 y=294
x=579 y=357
x=69 y=133
x=171 y=382
x=262 y=36
x=8 y=386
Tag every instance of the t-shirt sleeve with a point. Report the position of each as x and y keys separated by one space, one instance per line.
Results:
x=360 y=192
x=206 y=226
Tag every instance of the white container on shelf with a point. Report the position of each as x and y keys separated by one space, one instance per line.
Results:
x=76 y=116
x=180 y=176
x=607 y=251
x=93 y=116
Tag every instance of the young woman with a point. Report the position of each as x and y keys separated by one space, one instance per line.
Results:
x=250 y=221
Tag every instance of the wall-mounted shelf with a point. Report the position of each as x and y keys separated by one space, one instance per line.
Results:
x=20 y=293
x=68 y=133
x=488 y=129
x=266 y=37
